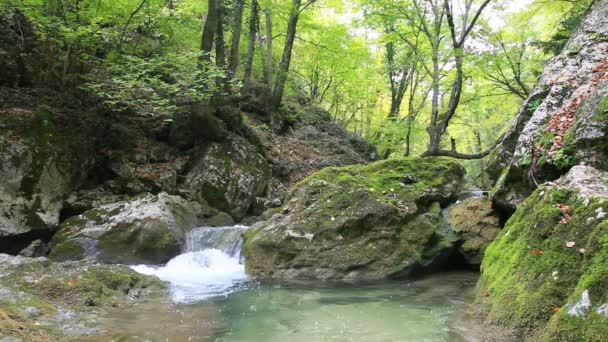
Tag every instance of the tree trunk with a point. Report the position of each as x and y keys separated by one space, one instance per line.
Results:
x=279 y=86
x=236 y=36
x=253 y=30
x=269 y=63
x=208 y=35
x=220 y=50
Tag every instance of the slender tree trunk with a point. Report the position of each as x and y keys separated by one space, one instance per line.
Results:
x=269 y=63
x=408 y=136
x=253 y=30
x=279 y=86
x=236 y=36
x=220 y=50
x=208 y=35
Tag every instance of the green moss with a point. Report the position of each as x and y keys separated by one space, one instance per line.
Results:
x=528 y=271
x=365 y=217
x=15 y=323
x=97 y=286
x=67 y=250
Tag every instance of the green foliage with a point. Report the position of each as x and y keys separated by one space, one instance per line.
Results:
x=570 y=21
x=157 y=84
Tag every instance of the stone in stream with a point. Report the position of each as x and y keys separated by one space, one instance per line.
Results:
x=545 y=275
x=147 y=229
x=359 y=222
x=41 y=300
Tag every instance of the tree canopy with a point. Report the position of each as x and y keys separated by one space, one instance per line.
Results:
x=433 y=77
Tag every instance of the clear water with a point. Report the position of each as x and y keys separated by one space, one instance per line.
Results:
x=213 y=300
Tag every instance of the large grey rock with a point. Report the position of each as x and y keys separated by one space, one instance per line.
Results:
x=146 y=229
x=39 y=165
x=229 y=176
x=564 y=122
x=375 y=221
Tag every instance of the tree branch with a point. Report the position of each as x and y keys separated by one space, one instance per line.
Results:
x=466 y=156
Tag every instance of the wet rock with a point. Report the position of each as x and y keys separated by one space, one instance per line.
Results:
x=45 y=301
x=357 y=222
x=229 y=176
x=146 y=229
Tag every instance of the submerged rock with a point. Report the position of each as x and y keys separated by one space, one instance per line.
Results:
x=358 y=222
x=42 y=300
x=546 y=273
x=476 y=225
x=146 y=229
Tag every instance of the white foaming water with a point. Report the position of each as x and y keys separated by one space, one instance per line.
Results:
x=204 y=273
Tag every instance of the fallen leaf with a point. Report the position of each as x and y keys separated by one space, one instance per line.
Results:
x=537 y=251
x=557 y=309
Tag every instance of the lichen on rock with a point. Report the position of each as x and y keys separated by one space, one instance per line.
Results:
x=39 y=164
x=229 y=176
x=563 y=123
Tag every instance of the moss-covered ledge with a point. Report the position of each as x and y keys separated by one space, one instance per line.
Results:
x=546 y=274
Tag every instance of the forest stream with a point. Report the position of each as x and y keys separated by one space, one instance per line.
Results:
x=212 y=299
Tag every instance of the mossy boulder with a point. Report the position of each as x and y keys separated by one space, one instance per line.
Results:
x=375 y=221
x=42 y=300
x=546 y=274
x=229 y=175
x=146 y=229
x=476 y=224
x=40 y=163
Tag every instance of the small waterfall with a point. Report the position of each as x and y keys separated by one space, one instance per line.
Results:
x=226 y=239
x=210 y=266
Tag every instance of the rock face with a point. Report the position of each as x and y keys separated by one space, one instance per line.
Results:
x=546 y=274
x=39 y=165
x=45 y=301
x=229 y=176
x=565 y=120
x=476 y=224
x=358 y=222
x=146 y=229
